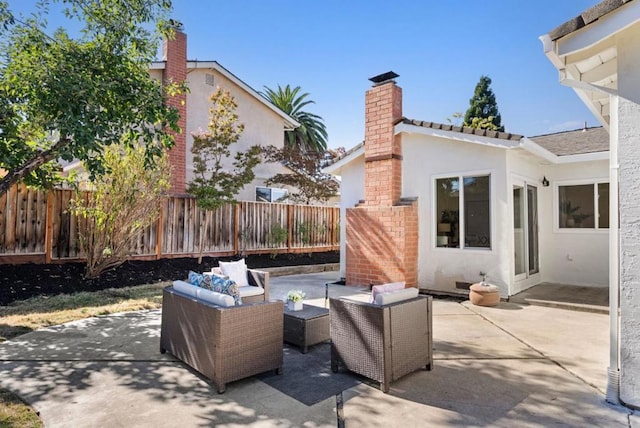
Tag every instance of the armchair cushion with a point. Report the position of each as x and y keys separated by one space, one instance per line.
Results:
x=384 y=288
x=236 y=271
x=396 y=296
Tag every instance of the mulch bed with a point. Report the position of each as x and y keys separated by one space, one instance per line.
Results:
x=18 y=282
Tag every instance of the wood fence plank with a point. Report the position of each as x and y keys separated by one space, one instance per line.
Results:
x=33 y=222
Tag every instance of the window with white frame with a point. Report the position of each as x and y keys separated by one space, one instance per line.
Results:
x=583 y=206
x=463 y=212
x=271 y=194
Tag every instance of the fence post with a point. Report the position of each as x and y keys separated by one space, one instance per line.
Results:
x=236 y=228
x=48 y=231
x=289 y=227
x=160 y=231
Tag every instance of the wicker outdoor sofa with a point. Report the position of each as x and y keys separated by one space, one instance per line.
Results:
x=222 y=343
x=382 y=342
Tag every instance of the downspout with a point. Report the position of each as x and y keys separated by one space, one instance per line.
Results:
x=613 y=372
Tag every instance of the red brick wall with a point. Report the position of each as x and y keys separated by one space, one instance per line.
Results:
x=174 y=54
x=381 y=235
x=382 y=245
x=382 y=151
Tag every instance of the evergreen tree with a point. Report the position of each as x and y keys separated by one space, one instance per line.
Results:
x=483 y=108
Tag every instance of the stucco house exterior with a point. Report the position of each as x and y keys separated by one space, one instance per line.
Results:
x=468 y=201
x=264 y=123
x=598 y=55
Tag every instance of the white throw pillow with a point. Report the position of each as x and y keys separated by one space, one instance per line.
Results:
x=236 y=271
x=396 y=296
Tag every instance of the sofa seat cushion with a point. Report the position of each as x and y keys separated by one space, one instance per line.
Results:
x=396 y=296
x=250 y=290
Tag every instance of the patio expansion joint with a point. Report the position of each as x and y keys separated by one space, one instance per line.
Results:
x=541 y=358
x=78 y=360
x=544 y=356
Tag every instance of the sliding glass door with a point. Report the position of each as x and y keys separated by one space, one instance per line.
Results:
x=525 y=230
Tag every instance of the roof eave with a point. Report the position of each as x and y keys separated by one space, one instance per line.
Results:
x=289 y=122
x=458 y=136
x=336 y=167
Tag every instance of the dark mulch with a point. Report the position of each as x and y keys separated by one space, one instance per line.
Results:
x=18 y=282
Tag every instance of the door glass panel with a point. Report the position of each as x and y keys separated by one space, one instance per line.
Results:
x=518 y=230
x=532 y=228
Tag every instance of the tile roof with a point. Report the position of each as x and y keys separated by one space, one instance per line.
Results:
x=580 y=141
x=462 y=129
x=587 y=17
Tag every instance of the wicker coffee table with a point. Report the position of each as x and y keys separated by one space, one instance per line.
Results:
x=307 y=327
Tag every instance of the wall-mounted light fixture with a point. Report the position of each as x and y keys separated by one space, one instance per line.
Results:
x=545 y=182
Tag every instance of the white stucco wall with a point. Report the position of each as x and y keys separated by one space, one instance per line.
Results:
x=427 y=158
x=261 y=125
x=626 y=116
x=351 y=192
x=578 y=257
x=575 y=256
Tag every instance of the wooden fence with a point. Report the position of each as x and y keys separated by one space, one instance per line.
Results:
x=36 y=226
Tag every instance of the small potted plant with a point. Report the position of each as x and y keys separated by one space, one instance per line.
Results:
x=294 y=300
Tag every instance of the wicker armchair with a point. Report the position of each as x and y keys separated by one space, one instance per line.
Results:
x=384 y=342
x=223 y=344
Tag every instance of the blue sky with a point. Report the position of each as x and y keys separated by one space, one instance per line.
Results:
x=439 y=48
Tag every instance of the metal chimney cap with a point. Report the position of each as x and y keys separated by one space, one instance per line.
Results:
x=384 y=77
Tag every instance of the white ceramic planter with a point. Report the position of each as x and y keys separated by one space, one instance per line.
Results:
x=294 y=306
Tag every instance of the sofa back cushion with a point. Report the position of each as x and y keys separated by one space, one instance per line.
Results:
x=219 y=299
x=385 y=288
x=396 y=296
x=186 y=288
x=203 y=294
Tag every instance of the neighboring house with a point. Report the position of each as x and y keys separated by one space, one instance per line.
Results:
x=434 y=205
x=598 y=54
x=264 y=124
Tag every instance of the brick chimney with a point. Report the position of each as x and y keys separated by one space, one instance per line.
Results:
x=382 y=233
x=382 y=151
x=174 y=54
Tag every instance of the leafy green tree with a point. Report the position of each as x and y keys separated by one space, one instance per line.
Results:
x=121 y=204
x=311 y=135
x=69 y=98
x=306 y=180
x=483 y=105
x=215 y=182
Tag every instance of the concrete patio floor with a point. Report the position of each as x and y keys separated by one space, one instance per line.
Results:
x=510 y=365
